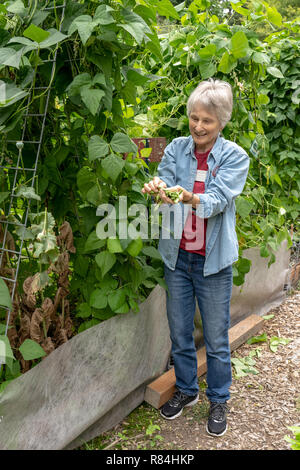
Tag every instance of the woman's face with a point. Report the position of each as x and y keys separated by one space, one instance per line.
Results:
x=204 y=128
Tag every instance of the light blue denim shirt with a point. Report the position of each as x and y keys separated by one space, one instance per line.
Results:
x=228 y=166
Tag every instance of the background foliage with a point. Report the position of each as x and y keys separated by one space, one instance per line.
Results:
x=125 y=69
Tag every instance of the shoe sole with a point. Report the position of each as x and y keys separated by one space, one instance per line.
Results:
x=179 y=413
x=214 y=434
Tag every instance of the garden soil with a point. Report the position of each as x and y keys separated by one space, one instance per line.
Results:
x=262 y=405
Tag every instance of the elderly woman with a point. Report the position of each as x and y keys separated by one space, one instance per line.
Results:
x=211 y=172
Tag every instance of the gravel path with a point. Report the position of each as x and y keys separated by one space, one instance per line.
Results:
x=262 y=405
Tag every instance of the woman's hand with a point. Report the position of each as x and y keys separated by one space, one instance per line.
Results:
x=154 y=185
x=184 y=197
x=158 y=186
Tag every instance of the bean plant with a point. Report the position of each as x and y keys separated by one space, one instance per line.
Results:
x=124 y=69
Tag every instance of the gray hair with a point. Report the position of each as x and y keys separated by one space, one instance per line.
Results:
x=215 y=95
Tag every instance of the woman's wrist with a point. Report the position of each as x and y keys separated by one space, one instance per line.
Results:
x=196 y=201
x=189 y=200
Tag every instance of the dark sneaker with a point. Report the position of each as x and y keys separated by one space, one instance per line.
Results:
x=175 y=405
x=170 y=362
x=216 y=424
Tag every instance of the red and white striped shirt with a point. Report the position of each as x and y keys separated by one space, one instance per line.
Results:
x=194 y=232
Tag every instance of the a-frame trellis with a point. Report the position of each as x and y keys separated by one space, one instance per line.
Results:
x=27 y=139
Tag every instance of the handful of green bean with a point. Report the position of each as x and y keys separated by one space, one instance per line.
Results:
x=171 y=193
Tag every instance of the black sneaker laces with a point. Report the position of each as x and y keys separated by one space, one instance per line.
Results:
x=177 y=398
x=218 y=411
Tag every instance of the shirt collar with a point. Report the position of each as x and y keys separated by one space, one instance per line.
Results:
x=215 y=151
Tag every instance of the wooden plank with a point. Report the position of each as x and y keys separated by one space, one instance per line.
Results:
x=161 y=390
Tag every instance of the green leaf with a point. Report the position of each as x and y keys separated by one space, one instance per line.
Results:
x=24 y=41
x=9 y=93
x=258 y=339
x=281 y=235
x=3 y=328
x=81 y=80
x=263 y=99
x=108 y=283
x=264 y=253
x=123 y=309
x=92 y=98
x=274 y=16
x=260 y=58
x=227 y=63
x=152 y=252
x=13 y=369
x=275 y=341
x=97 y=147
x=54 y=38
x=5 y=299
x=18 y=8
x=275 y=72
x=27 y=192
x=268 y=317
x=296 y=96
x=103 y=16
x=93 y=242
x=98 y=299
x=134 y=25
x=39 y=17
x=105 y=260
x=131 y=168
x=35 y=33
x=10 y=57
x=276 y=178
x=240 y=10
x=103 y=314
x=81 y=265
x=84 y=310
x=244 y=206
x=4 y=385
x=208 y=51
x=116 y=299
x=99 y=78
x=6 y=352
x=149 y=284
x=239 y=45
x=114 y=245
x=129 y=92
x=113 y=165
x=161 y=282
x=244 y=265
x=121 y=143
x=136 y=77
x=88 y=324
x=242 y=368
x=84 y=25
x=31 y=350
x=154 y=45
x=85 y=179
x=135 y=247
x=165 y=8
x=94 y=195
x=234 y=271
x=239 y=280
x=207 y=68
x=3 y=196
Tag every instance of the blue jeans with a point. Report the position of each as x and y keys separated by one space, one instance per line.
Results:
x=213 y=294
